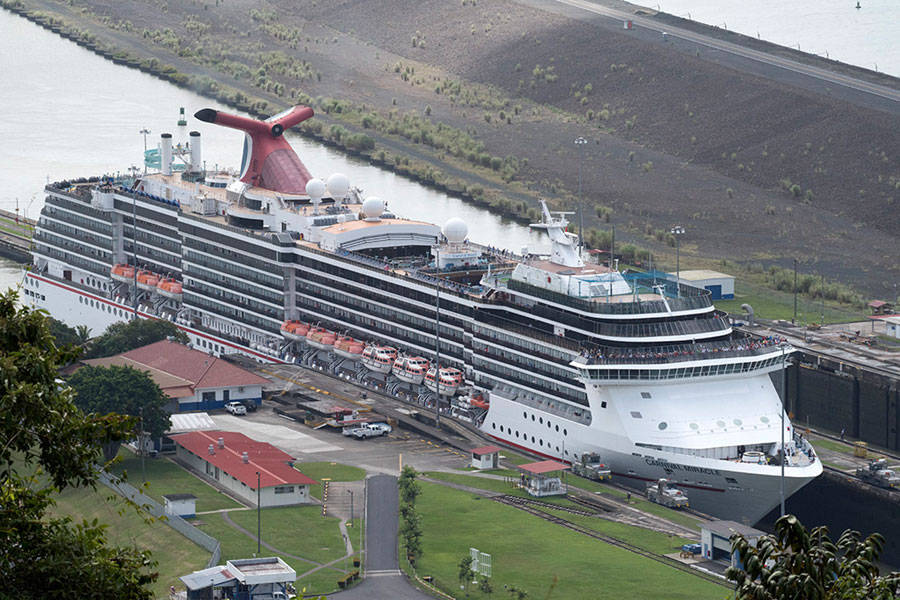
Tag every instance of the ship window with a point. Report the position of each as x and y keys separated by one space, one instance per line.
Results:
x=763 y=419
x=662 y=425
x=603 y=404
x=548 y=423
x=541 y=420
x=532 y=439
x=501 y=428
x=541 y=442
x=517 y=434
x=565 y=432
x=532 y=417
x=694 y=426
x=493 y=425
x=636 y=414
x=524 y=415
x=557 y=428
x=645 y=395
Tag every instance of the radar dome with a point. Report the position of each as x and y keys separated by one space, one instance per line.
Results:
x=315 y=188
x=372 y=207
x=455 y=230
x=338 y=185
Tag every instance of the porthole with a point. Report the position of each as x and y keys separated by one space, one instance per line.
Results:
x=694 y=426
x=524 y=415
x=541 y=420
x=517 y=434
x=721 y=424
x=541 y=442
x=557 y=428
x=565 y=432
x=532 y=417
x=763 y=419
x=662 y=425
x=548 y=423
x=493 y=426
x=532 y=439
x=501 y=429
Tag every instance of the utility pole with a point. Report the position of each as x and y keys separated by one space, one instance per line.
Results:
x=141 y=442
x=145 y=132
x=783 y=400
x=258 y=519
x=794 y=320
x=823 y=300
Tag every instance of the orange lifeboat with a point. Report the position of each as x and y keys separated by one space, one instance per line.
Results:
x=147 y=280
x=451 y=379
x=295 y=331
x=479 y=401
x=410 y=369
x=122 y=272
x=321 y=338
x=348 y=347
x=379 y=358
x=169 y=288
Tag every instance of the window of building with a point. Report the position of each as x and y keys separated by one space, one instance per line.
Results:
x=209 y=396
x=284 y=489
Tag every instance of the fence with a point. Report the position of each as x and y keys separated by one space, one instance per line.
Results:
x=126 y=490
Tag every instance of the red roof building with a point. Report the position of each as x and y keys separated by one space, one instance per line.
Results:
x=193 y=379
x=233 y=462
x=486 y=457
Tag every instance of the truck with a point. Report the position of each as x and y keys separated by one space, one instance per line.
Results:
x=590 y=467
x=661 y=492
x=877 y=473
x=236 y=408
x=365 y=430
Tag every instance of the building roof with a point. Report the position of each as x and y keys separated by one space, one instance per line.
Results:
x=728 y=528
x=212 y=576
x=270 y=462
x=544 y=466
x=179 y=371
x=485 y=450
x=176 y=497
x=181 y=422
x=701 y=274
x=256 y=571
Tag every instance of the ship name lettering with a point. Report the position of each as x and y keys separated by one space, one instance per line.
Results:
x=677 y=467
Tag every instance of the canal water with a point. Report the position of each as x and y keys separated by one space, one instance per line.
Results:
x=69 y=113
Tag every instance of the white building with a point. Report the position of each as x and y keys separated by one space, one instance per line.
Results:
x=181 y=505
x=486 y=457
x=892 y=327
x=721 y=285
x=715 y=540
x=240 y=465
x=194 y=380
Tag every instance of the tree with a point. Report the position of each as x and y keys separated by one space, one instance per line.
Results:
x=42 y=431
x=465 y=570
x=122 y=390
x=796 y=563
x=124 y=336
x=68 y=336
x=409 y=487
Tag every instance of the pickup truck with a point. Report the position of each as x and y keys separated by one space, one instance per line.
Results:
x=366 y=430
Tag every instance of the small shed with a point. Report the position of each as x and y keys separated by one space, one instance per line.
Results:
x=720 y=285
x=181 y=505
x=486 y=457
x=880 y=307
x=892 y=327
x=542 y=478
x=715 y=540
x=246 y=579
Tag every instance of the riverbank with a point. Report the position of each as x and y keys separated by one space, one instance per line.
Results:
x=642 y=177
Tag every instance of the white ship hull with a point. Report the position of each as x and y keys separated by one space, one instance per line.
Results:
x=74 y=306
x=726 y=489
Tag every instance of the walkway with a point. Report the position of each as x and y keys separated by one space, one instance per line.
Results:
x=383 y=578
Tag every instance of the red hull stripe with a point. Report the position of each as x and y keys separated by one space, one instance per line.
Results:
x=148 y=316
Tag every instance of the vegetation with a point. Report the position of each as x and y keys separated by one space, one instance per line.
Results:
x=797 y=563
x=42 y=432
x=328 y=470
x=124 y=336
x=411 y=522
x=122 y=390
x=68 y=336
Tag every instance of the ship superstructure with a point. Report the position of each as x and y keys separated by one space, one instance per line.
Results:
x=553 y=355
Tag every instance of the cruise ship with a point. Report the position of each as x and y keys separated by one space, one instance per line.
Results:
x=545 y=353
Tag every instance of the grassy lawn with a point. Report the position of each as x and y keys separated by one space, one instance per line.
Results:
x=166 y=477
x=175 y=554
x=503 y=472
x=832 y=445
x=773 y=304
x=659 y=543
x=531 y=554
x=331 y=470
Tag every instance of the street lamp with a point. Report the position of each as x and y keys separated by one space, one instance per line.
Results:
x=783 y=400
x=145 y=132
x=579 y=144
x=677 y=231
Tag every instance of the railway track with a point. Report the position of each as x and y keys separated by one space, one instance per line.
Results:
x=531 y=507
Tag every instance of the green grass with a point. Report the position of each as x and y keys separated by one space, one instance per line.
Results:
x=653 y=541
x=175 y=554
x=774 y=304
x=503 y=472
x=531 y=554
x=833 y=446
x=331 y=470
x=166 y=477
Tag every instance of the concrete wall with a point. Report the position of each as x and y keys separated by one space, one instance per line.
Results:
x=268 y=495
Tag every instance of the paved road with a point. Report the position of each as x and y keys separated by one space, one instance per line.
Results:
x=738 y=56
x=383 y=578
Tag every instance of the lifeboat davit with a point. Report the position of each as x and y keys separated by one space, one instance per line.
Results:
x=321 y=338
x=379 y=358
x=348 y=347
x=147 y=280
x=295 y=331
x=169 y=288
x=410 y=369
x=122 y=272
x=451 y=379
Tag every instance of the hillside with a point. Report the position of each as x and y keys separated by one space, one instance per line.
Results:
x=756 y=170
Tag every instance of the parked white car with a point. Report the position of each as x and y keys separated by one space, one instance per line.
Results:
x=236 y=408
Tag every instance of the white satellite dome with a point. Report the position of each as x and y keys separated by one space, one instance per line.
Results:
x=455 y=230
x=338 y=185
x=315 y=188
x=372 y=207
